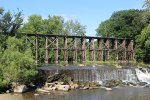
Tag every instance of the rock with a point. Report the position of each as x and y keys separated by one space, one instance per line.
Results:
x=142 y=83
x=63 y=87
x=50 y=88
x=132 y=84
x=70 y=83
x=36 y=94
x=49 y=93
x=59 y=83
x=8 y=91
x=112 y=83
x=108 y=89
x=81 y=65
x=15 y=94
x=74 y=86
x=48 y=84
x=147 y=85
x=42 y=90
x=20 y=89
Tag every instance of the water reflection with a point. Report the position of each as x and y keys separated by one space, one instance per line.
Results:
x=127 y=93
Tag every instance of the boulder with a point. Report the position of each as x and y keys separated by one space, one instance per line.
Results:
x=108 y=89
x=74 y=86
x=63 y=87
x=20 y=89
x=49 y=84
x=112 y=83
x=59 y=83
x=42 y=90
x=49 y=88
x=142 y=83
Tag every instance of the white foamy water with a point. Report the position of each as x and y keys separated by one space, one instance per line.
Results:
x=143 y=75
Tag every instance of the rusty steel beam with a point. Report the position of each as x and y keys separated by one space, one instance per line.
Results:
x=100 y=50
x=74 y=49
x=82 y=50
x=131 y=50
x=91 y=49
x=115 y=53
x=107 y=49
x=124 y=49
x=56 y=50
x=36 y=50
x=65 y=51
x=46 y=50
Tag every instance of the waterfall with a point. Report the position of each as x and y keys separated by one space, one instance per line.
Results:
x=100 y=74
x=126 y=75
x=143 y=75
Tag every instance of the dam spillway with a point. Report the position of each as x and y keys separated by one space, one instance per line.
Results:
x=99 y=74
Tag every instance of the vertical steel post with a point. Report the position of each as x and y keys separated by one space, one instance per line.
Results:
x=124 y=50
x=100 y=51
x=65 y=51
x=82 y=50
x=36 y=50
x=107 y=49
x=74 y=49
x=56 y=50
x=115 y=49
x=46 y=50
x=91 y=49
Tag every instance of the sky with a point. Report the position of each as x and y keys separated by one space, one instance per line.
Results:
x=88 y=12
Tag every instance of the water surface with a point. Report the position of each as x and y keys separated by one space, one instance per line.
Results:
x=126 y=93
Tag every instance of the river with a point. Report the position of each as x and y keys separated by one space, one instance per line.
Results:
x=124 y=93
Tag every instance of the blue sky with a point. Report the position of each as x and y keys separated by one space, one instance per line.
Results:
x=88 y=12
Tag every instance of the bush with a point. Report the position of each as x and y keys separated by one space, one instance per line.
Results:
x=16 y=63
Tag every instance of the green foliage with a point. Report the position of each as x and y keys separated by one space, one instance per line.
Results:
x=130 y=24
x=125 y=23
x=74 y=28
x=16 y=63
x=10 y=23
x=147 y=4
x=54 y=24
x=34 y=24
x=143 y=45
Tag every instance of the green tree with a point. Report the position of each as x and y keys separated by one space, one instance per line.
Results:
x=33 y=25
x=74 y=28
x=54 y=24
x=125 y=23
x=10 y=23
x=143 y=45
x=147 y=4
x=16 y=63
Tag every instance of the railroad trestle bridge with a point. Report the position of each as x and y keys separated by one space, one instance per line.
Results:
x=78 y=49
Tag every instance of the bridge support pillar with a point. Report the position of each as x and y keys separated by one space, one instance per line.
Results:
x=36 y=50
x=115 y=53
x=100 y=51
x=107 y=49
x=74 y=49
x=82 y=50
x=56 y=50
x=124 y=50
x=91 y=49
x=65 y=51
x=46 y=50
